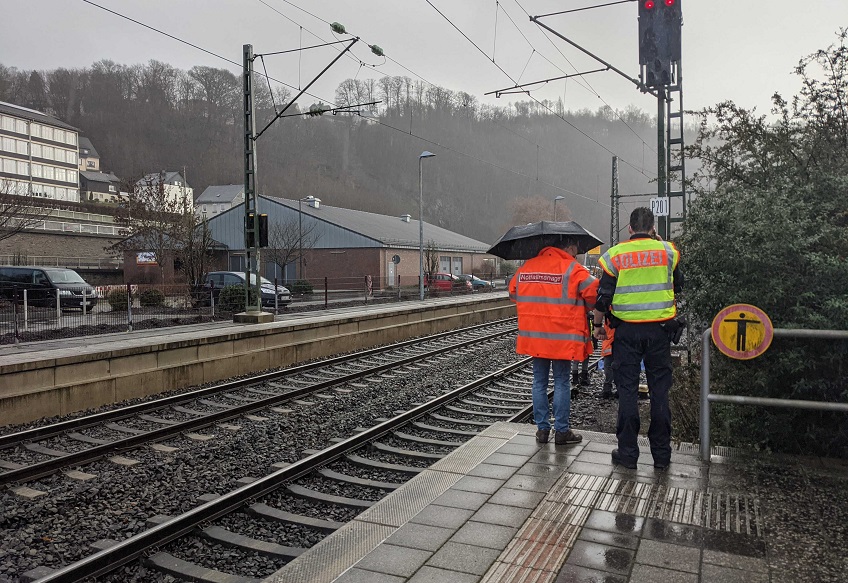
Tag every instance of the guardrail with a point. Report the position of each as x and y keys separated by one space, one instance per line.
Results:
x=707 y=397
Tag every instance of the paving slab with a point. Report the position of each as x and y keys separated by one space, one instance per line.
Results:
x=501 y=508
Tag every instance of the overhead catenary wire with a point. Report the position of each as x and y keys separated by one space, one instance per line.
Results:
x=588 y=86
x=579 y=130
x=185 y=42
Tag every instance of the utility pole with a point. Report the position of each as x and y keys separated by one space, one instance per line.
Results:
x=253 y=313
x=614 y=198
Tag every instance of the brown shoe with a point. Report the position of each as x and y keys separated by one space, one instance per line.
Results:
x=567 y=437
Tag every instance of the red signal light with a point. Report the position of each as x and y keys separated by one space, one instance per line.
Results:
x=669 y=2
x=649 y=4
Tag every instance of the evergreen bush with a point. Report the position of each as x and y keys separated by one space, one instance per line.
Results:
x=151 y=298
x=301 y=287
x=231 y=298
x=117 y=299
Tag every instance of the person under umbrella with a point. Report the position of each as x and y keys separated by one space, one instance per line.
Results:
x=553 y=294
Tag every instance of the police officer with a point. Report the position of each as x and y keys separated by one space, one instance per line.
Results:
x=553 y=294
x=638 y=286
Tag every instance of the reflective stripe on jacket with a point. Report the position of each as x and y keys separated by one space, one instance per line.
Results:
x=553 y=294
x=644 y=290
x=606 y=345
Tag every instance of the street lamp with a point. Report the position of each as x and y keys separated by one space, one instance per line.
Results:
x=424 y=154
x=555 y=201
x=309 y=198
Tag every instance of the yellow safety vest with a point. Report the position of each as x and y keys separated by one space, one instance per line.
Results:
x=644 y=290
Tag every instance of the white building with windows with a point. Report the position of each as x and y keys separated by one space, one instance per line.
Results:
x=217 y=199
x=173 y=185
x=39 y=154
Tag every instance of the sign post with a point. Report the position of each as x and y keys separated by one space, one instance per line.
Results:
x=659 y=206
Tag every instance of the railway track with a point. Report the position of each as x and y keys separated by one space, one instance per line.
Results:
x=41 y=451
x=247 y=533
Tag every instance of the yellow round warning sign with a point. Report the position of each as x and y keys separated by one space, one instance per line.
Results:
x=742 y=331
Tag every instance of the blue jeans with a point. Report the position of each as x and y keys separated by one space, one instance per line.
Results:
x=562 y=394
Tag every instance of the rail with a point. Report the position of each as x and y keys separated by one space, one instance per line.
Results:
x=707 y=397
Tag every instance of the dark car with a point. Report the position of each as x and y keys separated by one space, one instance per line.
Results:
x=42 y=285
x=478 y=284
x=446 y=282
x=218 y=280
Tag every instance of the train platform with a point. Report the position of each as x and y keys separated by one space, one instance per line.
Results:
x=502 y=508
x=57 y=377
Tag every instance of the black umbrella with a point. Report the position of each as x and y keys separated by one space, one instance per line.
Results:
x=525 y=241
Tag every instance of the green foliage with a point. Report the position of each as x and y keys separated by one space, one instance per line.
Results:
x=301 y=287
x=771 y=229
x=151 y=298
x=231 y=298
x=117 y=299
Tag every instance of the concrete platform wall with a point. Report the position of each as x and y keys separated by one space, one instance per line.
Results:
x=48 y=384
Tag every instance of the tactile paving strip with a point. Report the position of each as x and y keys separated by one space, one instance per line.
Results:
x=464 y=458
x=333 y=555
x=410 y=499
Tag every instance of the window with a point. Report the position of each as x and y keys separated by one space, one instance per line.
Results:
x=71 y=157
x=36 y=151
x=61 y=175
x=23 y=168
x=59 y=135
x=8 y=123
x=50 y=191
x=8 y=144
x=35 y=129
x=47 y=132
x=72 y=175
x=89 y=163
x=73 y=194
x=204 y=208
x=49 y=173
x=47 y=152
x=9 y=166
x=59 y=155
x=36 y=170
x=22 y=147
x=112 y=189
x=71 y=138
x=20 y=126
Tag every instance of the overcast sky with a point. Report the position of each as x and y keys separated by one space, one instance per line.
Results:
x=732 y=49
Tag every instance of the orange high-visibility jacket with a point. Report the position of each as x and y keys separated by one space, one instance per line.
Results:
x=553 y=294
x=606 y=346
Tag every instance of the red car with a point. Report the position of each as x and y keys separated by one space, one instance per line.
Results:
x=445 y=282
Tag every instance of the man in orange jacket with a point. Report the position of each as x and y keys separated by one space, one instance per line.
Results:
x=553 y=294
x=606 y=352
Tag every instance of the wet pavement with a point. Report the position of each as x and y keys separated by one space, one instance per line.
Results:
x=505 y=509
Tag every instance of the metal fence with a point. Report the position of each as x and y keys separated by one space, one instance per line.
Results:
x=707 y=397
x=29 y=313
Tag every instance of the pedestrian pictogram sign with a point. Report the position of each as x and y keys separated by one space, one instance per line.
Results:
x=742 y=331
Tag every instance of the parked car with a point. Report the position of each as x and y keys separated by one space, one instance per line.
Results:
x=218 y=280
x=478 y=284
x=42 y=283
x=446 y=282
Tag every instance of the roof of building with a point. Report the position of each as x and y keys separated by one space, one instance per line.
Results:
x=169 y=178
x=99 y=176
x=388 y=230
x=87 y=148
x=221 y=193
x=33 y=115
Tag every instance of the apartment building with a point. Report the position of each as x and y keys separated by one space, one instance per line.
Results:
x=39 y=154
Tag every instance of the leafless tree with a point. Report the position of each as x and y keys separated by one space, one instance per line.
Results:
x=287 y=243
x=153 y=219
x=19 y=210
x=431 y=258
x=193 y=248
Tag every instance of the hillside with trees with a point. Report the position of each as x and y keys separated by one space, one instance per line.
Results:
x=494 y=165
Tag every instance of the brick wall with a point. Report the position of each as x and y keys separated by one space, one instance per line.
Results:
x=57 y=244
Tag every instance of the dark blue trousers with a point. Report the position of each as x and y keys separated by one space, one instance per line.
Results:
x=634 y=343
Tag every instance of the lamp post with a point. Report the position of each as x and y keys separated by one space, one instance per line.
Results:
x=309 y=198
x=424 y=154
x=555 y=201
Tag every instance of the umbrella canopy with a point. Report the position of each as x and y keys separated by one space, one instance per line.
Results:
x=525 y=241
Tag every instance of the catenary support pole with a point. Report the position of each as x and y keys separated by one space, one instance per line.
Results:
x=705 y=393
